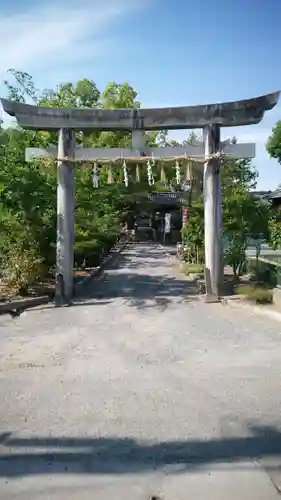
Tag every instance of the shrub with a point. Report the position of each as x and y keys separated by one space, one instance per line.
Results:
x=193 y=234
x=21 y=268
x=253 y=293
x=87 y=253
x=235 y=256
x=193 y=254
x=263 y=272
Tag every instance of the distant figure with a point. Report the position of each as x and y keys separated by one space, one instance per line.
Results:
x=134 y=230
x=180 y=250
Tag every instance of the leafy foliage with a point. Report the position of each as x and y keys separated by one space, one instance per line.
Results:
x=274 y=150
x=193 y=234
x=28 y=190
x=274 y=142
x=242 y=215
x=274 y=232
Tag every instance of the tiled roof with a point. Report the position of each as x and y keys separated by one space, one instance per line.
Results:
x=275 y=194
x=167 y=197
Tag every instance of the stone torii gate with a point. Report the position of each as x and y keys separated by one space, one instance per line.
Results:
x=209 y=117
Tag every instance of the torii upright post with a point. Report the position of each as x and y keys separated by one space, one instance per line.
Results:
x=212 y=215
x=65 y=217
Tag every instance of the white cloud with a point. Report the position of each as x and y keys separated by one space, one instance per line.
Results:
x=55 y=32
x=55 y=36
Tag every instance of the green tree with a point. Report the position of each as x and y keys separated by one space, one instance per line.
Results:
x=274 y=142
x=28 y=191
x=242 y=214
x=274 y=150
x=274 y=228
x=83 y=94
x=193 y=233
x=25 y=87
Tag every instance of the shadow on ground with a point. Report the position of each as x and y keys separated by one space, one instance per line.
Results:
x=121 y=456
x=126 y=279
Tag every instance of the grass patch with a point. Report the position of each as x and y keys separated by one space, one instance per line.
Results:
x=255 y=293
x=188 y=268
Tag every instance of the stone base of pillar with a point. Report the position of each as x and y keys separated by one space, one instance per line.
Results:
x=212 y=299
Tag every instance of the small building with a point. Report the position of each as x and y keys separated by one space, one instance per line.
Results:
x=262 y=195
x=275 y=198
x=151 y=219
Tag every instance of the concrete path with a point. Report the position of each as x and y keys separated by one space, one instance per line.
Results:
x=140 y=390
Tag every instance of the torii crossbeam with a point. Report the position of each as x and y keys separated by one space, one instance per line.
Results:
x=210 y=117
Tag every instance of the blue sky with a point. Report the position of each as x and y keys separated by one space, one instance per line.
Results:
x=173 y=52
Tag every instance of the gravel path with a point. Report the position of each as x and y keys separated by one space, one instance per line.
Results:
x=140 y=389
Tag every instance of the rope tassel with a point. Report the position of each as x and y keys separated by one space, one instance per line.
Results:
x=125 y=171
x=188 y=172
x=110 y=179
x=150 y=177
x=188 y=177
x=178 y=173
x=163 y=177
x=95 y=174
x=137 y=173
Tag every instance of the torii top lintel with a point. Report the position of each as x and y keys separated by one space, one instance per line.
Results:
x=227 y=114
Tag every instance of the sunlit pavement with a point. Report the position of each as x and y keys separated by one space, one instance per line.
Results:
x=140 y=390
